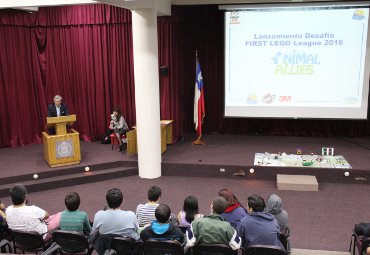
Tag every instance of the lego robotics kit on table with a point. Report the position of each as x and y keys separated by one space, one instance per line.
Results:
x=326 y=160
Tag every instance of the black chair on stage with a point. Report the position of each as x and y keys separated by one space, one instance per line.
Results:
x=213 y=249
x=29 y=241
x=169 y=247
x=264 y=250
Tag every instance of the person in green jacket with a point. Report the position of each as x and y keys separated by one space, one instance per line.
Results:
x=213 y=228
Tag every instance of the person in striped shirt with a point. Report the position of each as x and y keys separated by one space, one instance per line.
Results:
x=145 y=213
x=73 y=219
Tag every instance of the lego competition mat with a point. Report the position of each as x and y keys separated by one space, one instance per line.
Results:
x=296 y=160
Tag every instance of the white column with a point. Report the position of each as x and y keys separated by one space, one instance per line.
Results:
x=145 y=44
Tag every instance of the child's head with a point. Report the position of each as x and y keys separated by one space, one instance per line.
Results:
x=18 y=194
x=72 y=201
x=154 y=194
x=162 y=213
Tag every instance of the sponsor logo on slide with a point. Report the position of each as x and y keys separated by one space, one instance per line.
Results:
x=252 y=99
x=234 y=18
x=358 y=15
x=268 y=98
x=285 y=99
x=350 y=100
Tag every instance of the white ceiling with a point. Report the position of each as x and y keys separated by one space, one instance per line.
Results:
x=163 y=6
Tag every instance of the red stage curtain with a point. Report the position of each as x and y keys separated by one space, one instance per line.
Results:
x=83 y=53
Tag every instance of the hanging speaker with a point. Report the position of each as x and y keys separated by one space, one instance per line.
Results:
x=163 y=70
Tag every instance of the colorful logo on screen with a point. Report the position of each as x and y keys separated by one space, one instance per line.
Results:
x=268 y=98
x=252 y=99
x=234 y=18
x=358 y=15
x=295 y=63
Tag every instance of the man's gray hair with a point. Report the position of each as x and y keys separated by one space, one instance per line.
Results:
x=57 y=97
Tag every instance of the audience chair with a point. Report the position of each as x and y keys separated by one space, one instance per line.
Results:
x=121 y=246
x=168 y=247
x=29 y=241
x=285 y=240
x=72 y=242
x=113 y=140
x=213 y=249
x=5 y=246
x=183 y=228
x=264 y=250
x=359 y=243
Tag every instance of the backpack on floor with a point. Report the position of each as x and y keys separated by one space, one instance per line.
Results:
x=105 y=138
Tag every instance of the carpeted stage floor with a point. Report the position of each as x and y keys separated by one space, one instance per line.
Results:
x=319 y=220
x=220 y=150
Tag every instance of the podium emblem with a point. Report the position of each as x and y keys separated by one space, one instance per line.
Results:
x=64 y=149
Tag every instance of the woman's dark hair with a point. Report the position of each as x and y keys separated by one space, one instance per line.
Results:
x=230 y=198
x=190 y=208
x=119 y=113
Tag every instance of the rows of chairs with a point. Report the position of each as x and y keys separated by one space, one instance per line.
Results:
x=71 y=242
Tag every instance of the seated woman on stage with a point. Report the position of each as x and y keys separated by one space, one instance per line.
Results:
x=118 y=125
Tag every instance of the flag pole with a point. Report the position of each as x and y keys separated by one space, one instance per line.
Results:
x=198 y=141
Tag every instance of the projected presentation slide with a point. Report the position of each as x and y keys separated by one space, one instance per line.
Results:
x=307 y=62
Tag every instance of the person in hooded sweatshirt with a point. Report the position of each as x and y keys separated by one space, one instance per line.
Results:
x=258 y=227
x=274 y=206
x=235 y=211
x=161 y=229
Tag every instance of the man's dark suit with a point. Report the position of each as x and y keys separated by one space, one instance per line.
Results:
x=52 y=110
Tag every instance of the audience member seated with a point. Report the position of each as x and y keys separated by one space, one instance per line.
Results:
x=274 y=206
x=22 y=217
x=213 y=228
x=161 y=229
x=258 y=227
x=115 y=221
x=73 y=219
x=145 y=213
x=235 y=211
x=189 y=211
x=4 y=231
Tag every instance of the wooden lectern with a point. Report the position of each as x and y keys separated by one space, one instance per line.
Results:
x=166 y=138
x=63 y=148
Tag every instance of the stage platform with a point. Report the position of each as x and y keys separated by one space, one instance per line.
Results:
x=233 y=155
x=224 y=156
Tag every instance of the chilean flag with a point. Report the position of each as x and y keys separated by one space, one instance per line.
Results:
x=199 y=110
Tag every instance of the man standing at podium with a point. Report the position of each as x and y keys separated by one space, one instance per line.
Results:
x=56 y=109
